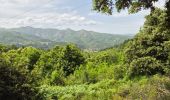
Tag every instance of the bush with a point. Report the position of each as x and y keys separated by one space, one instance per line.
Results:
x=92 y=73
x=145 y=66
x=57 y=78
x=156 y=88
x=119 y=71
x=15 y=86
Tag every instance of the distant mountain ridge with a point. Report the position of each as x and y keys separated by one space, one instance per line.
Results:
x=47 y=38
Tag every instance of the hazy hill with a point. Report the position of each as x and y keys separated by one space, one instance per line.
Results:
x=46 y=38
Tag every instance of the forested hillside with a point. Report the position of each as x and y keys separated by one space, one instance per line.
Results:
x=47 y=38
x=137 y=69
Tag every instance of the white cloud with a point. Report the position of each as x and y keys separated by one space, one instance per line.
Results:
x=23 y=1
x=60 y=14
x=51 y=20
x=11 y=8
x=39 y=13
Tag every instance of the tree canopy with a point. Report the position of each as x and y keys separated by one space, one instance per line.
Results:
x=107 y=6
x=147 y=53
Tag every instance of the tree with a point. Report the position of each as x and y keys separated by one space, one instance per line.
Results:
x=4 y=48
x=32 y=54
x=48 y=62
x=151 y=42
x=58 y=63
x=14 y=85
x=107 y=6
x=71 y=59
x=148 y=53
x=23 y=58
x=168 y=14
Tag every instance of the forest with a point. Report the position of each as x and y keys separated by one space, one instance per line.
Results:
x=48 y=38
x=137 y=69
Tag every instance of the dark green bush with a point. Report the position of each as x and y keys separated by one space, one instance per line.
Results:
x=15 y=86
x=145 y=66
x=119 y=71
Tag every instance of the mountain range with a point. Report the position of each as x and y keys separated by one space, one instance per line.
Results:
x=47 y=38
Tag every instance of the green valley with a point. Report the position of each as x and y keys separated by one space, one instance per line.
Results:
x=47 y=38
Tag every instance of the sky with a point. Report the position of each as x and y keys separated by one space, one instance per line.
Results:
x=73 y=14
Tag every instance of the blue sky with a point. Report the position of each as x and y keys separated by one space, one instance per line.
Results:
x=63 y=14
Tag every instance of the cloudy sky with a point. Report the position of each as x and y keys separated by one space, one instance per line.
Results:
x=62 y=14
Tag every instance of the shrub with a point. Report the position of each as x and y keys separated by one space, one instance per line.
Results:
x=145 y=66
x=156 y=88
x=15 y=86
x=119 y=71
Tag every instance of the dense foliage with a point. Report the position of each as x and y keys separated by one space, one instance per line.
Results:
x=14 y=85
x=107 y=6
x=149 y=47
x=137 y=69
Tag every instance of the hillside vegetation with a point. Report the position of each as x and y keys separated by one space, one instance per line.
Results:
x=48 y=38
x=138 y=69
